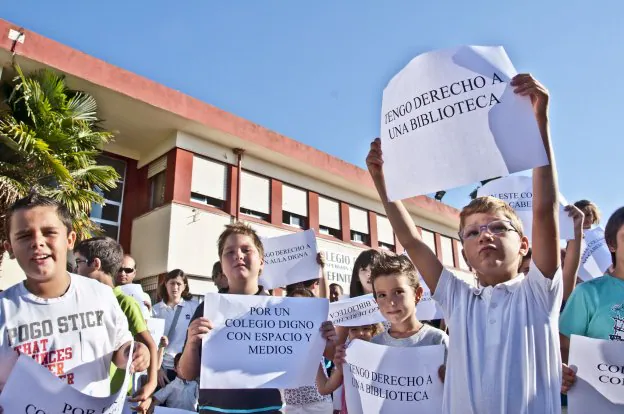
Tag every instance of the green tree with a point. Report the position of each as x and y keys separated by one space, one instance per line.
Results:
x=49 y=141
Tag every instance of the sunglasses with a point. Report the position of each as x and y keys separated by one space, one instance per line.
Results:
x=126 y=270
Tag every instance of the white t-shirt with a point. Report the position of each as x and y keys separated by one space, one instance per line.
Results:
x=74 y=335
x=176 y=342
x=504 y=350
x=427 y=335
x=179 y=394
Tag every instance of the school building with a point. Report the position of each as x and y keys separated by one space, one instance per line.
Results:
x=189 y=168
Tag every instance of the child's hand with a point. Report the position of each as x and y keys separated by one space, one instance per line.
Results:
x=374 y=160
x=162 y=378
x=340 y=356
x=164 y=342
x=197 y=330
x=140 y=358
x=578 y=217
x=144 y=403
x=320 y=259
x=442 y=373
x=328 y=332
x=568 y=378
x=527 y=85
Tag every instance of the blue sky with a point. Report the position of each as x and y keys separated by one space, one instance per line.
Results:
x=315 y=70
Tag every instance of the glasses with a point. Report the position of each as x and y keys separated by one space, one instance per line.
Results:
x=78 y=261
x=496 y=227
x=126 y=270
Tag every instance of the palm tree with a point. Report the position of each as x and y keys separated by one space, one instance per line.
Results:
x=49 y=138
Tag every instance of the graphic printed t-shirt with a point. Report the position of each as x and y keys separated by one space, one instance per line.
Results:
x=261 y=400
x=73 y=336
x=136 y=324
x=595 y=309
x=176 y=342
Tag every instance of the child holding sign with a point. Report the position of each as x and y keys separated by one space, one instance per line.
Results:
x=504 y=356
x=242 y=259
x=70 y=324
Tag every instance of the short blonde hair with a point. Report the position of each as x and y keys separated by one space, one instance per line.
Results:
x=243 y=229
x=588 y=206
x=490 y=205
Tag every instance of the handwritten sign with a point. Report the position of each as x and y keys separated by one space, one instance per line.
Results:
x=358 y=311
x=262 y=341
x=382 y=379
x=595 y=255
x=47 y=394
x=599 y=376
x=517 y=191
x=136 y=292
x=456 y=114
x=289 y=259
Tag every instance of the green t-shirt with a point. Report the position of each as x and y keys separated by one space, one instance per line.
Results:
x=136 y=324
x=595 y=309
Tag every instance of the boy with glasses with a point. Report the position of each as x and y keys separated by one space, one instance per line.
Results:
x=125 y=276
x=503 y=356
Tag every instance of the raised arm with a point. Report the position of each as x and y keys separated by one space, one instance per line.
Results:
x=424 y=259
x=572 y=259
x=323 y=282
x=545 y=204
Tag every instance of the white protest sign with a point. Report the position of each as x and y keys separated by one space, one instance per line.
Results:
x=136 y=292
x=428 y=309
x=47 y=394
x=599 y=376
x=595 y=255
x=262 y=341
x=289 y=259
x=517 y=191
x=165 y=410
x=358 y=311
x=451 y=118
x=383 y=379
x=156 y=327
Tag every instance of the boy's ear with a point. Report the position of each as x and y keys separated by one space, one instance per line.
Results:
x=96 y=263
x=418 y=293
x=8 y=248
x=71 y=240
x=524 y=245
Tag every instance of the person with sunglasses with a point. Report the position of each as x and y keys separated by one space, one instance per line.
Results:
x=125 y=276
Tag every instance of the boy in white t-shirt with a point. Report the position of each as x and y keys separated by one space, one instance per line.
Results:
x=70 y=324
x=503 y=354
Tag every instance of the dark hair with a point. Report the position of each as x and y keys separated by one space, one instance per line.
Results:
x=615 y=223
x=104 y=248
x=337 y=285
x=216 y=270
x=162 y=289
x=306 y=293
x=308 y=284
x=388 y=263
x=71 y=262
x=364 y=260
x=33 y=200
x=176 y=359
x=529 y=253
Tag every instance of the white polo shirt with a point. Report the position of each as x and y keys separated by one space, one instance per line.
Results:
x=176 y=341
x=504 y=352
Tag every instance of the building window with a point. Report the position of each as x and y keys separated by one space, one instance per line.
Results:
x=329 y=217
x=446 y=245
x=294 y=220
x=385 y=235
x=209 y=182
x=108 y=215
x=358 y=220
x=358 y=237
x=157 y=179
x=386 y=246
x=462 y=263
x=429 y=239
x=255 y=196
x=294 y=206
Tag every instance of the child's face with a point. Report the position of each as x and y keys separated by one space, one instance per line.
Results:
x=175 y=287
x=365 y=333
x=396 y=298
x=493 y=255
x=39 y=241
x=364 y=275
x=240 y=259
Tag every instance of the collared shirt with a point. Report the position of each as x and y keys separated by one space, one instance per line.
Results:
x=176 y=342
x=179 y=394
x=504 y=353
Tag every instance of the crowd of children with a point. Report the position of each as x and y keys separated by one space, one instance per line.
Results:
x=507 y=347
